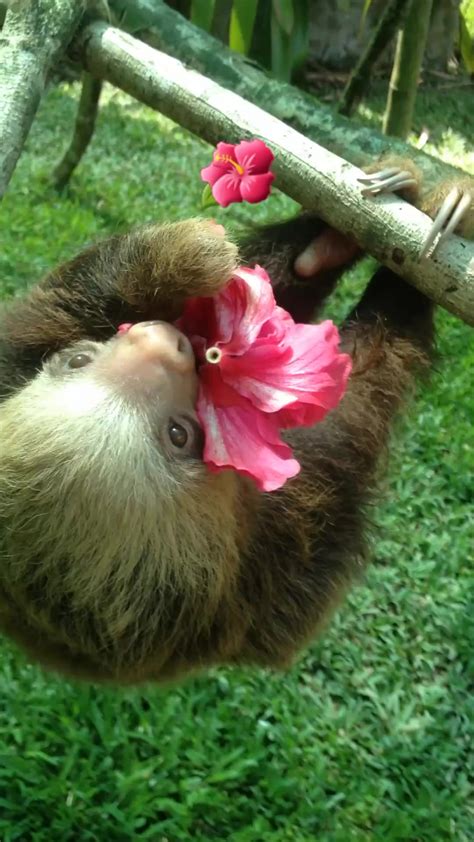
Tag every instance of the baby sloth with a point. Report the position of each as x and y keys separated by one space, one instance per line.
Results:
x=122 y=557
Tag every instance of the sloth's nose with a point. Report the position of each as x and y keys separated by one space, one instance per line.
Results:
x=158 y=342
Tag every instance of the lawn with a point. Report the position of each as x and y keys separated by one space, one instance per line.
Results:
x=370 y=735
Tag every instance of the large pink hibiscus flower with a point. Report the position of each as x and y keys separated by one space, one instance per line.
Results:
x=259 y=373
x=240 y=172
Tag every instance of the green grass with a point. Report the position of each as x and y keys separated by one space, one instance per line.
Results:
x=369 y=736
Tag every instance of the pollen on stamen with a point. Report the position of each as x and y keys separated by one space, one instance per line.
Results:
x=213 y=355
x=228 y=160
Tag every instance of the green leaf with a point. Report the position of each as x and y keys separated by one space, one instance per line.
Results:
x=365 y=10
x=281 y=51
x=467 y=13
x=285 y=14
x=289 y=51
x=202 y=13
x=242 y=21
x=363 y=17
x=207 y=199
x=466 y=35
x=300 y=35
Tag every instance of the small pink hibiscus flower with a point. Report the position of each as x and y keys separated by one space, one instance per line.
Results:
x=259 y=373
x=240 y=172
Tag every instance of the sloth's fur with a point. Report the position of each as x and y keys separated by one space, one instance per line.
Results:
x=118 y=565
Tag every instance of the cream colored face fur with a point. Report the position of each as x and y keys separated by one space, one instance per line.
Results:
x=95 y=518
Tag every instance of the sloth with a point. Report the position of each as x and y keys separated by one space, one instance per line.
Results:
x=122 y=557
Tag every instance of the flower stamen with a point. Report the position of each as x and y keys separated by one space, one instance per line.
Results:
x=228 y=160
x=213 y=355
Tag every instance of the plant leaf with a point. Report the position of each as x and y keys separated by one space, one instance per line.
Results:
x=202 y=13
x=207 y=199
x=281 y=51
x=363 y=17
x=466 y=35
x=285 y=14
x=365 y=10
x=289 y=50
x=242 y=21
x=300 y=36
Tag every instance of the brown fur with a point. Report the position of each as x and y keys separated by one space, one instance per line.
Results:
x=117 y=567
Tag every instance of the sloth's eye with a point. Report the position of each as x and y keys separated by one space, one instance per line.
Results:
x=185 y=437
x=178 y=435
x=79 y=360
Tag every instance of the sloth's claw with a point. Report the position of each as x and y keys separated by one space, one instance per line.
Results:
x=450 y=214
x=389 y=180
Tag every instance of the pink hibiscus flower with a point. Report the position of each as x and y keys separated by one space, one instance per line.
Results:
x=240 y=172
x=259 y=373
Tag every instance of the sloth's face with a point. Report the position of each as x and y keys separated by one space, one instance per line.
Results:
x=110 y=523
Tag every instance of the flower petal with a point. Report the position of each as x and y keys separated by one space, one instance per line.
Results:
x=307 y=369
x=271 y=374
x=242 y=438
x=198 y=323
x=236 y=315
x=254 y=156
x=221 y=163
x=211 y=174
x=212 y=384
x=226 y=189
x=223 y=151
x=243 y=307
x=256 y=188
